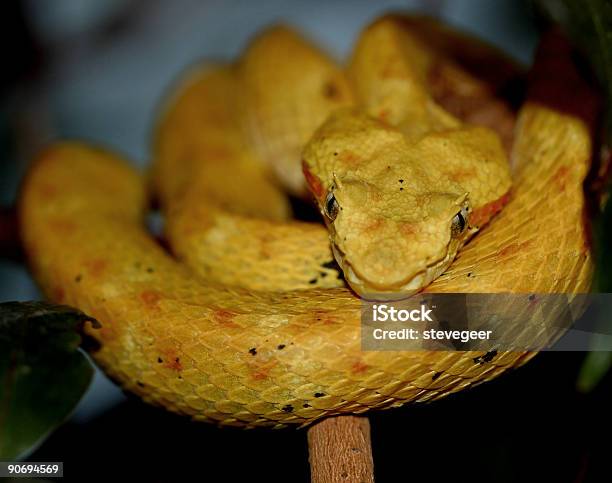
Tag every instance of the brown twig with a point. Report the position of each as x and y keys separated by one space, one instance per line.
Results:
x=340 y=450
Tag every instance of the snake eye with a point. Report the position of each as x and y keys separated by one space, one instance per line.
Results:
x=458 y=224
x=331 y=206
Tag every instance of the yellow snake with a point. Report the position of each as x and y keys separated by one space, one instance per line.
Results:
x=228 y=330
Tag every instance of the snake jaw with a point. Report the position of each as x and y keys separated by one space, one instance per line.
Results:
x=409 y=286
x=401 y=257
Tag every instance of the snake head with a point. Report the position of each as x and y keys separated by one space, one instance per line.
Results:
x=398 y=210
x=385 y=244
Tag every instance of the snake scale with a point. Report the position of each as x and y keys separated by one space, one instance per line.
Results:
x=249 y=322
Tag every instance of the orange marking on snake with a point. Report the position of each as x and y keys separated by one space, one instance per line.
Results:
x=259 y=375
x=171 y=359
x=96 y=266
x=560 y=178
x=150 y=298
x=384 y=114
x=174 y=364
x=407 y=229
x=512 y=249
x=482 y=215
x=463 y=174
x=225 y=318
x=261 y=370
x=359 y=367
x=349 y=158
x=374 y=226
x=313 y=182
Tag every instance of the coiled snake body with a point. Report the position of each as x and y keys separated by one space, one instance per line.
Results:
x=249 y=324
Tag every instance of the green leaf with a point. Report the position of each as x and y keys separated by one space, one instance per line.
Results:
x=594 y=367
x=43 y=374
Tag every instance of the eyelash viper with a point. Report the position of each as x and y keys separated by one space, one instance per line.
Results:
x=194 y=340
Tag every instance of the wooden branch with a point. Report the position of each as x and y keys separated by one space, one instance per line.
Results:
x=340 y=450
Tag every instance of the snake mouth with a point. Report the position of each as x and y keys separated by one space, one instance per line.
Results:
x=406 y=287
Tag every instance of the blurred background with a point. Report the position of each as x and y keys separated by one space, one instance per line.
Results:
x=96 y=70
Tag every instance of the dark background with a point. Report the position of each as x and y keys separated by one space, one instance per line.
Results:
x=530 y=425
